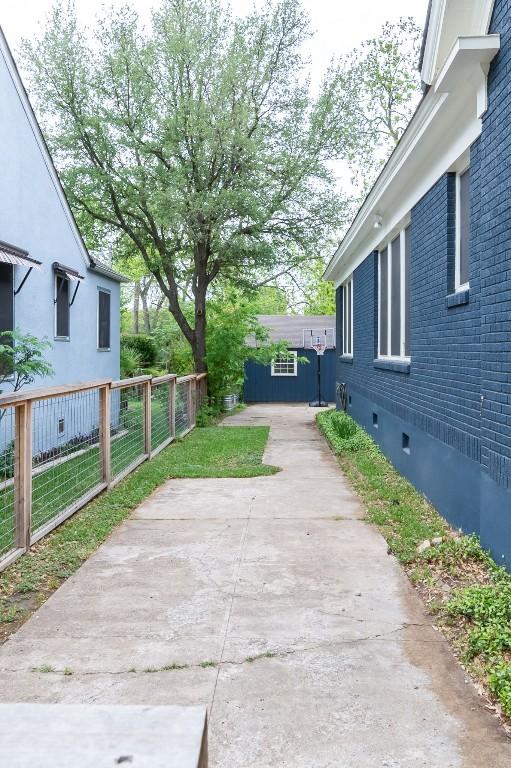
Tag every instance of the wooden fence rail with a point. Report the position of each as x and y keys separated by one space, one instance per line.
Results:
x=61 y=446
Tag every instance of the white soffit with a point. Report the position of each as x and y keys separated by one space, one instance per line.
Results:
x=445 y=124
x=448 y=20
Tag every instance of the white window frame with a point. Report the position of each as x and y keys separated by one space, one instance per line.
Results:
x=457 y=256
x=402 y=246
x=56 y=275
x=103 y=349
x=347 y=350
x=292 y=357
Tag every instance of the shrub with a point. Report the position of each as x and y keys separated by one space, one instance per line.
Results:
x=343 y=433
x=144 y=345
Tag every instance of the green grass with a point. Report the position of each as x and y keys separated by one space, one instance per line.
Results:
x=469 y=594
x=221 y=452
x=208 y=452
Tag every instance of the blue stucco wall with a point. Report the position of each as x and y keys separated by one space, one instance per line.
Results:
x=262 y=387
x=33 y=217
x=460 y=450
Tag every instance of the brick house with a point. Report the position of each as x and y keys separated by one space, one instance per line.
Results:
x=425 y=274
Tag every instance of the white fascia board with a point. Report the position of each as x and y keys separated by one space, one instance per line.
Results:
x=468 y=55
x=6 y=54
x=442 y=129
x=433 y=33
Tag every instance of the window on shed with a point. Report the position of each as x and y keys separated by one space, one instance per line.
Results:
x=285 y=366
x=103 y=319
x=61 y=306
x=394 y=298
x=6 y=307
x=462 y=268
x=347 y=318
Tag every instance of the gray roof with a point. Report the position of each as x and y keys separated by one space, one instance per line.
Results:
x=290 y=328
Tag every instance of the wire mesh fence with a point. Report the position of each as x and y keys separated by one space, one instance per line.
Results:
x=126 y=427
x=66 y=460
x=7 y=506
x=161 y=413
x=182 y=407
x=61 y=446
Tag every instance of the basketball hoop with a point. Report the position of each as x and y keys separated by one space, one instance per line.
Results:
x=318 y=345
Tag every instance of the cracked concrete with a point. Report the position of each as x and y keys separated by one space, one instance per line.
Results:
x=284 y=612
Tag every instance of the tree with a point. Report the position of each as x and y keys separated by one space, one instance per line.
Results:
x=382 y=88
x=197 y=141
x=22 y=359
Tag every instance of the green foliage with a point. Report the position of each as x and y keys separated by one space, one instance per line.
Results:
x=500 y=685
x=22 y=359
x=344 y=434
x=318 y=294
x=144 y=345
x=174 y=351
x=196 y=140
x=232 y=321
x=382 y=88
x=131 y=362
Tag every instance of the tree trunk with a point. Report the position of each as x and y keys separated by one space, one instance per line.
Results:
x=136 y=307
x=145 y=312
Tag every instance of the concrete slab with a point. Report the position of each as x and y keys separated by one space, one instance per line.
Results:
x=271 y=601
x=101 y=736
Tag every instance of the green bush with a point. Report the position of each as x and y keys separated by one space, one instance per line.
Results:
x=144 y=345
x=343 y=433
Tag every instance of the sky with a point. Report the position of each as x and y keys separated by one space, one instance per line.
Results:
x=339 y=25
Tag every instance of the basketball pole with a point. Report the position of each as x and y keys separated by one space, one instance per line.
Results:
x=319 y=402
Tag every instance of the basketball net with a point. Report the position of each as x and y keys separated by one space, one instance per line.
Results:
x=318 y=345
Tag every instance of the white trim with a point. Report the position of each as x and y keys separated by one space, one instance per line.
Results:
x=442 y=129
x=293 y=357
x=12 y=70
x=347 y=350
x=402 y=298
x=457 y=253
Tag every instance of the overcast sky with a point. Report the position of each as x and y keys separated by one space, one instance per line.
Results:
x=340 y=25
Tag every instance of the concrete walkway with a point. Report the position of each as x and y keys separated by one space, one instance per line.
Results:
x=297 y=628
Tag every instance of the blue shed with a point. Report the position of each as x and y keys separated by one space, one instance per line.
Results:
x=287 y=380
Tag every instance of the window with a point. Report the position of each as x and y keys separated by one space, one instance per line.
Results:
x=347 y=318
x=103 y=319
x=285 y=366
x=61 y=306
x=462 y=264
x=6 y=305
x=394 y=297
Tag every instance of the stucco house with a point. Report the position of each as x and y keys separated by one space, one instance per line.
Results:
x=425 y=271
x=288 y=380
x=49 y=284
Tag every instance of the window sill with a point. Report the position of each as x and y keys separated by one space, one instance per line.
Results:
x=104 y=349
x=398 y=366
x=458 y=298
x=61 y=338
x=346 y=359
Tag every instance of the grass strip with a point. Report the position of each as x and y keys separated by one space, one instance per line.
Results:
x=462 y=586
x=205 y=452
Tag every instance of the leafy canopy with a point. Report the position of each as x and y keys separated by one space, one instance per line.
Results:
x=195 y=142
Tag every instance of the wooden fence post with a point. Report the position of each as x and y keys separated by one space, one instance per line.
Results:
x=23 y=474
x=105 y=433
x=147 y=416
x=172 y=407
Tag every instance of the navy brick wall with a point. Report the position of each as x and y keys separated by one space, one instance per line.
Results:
x=460 y=350
x=492 y=236
x=441 y=394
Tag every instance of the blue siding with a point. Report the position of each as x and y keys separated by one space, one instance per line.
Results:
x=460 y=452
x=262 y=387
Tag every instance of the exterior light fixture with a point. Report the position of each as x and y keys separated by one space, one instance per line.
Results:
x=378 y=221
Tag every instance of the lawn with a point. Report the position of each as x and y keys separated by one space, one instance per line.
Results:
x=205 y=452
x=468 y=594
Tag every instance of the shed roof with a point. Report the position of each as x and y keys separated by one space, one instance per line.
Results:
x=290 y=327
